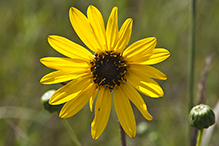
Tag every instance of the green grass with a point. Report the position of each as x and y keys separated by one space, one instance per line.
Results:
x=24 y=28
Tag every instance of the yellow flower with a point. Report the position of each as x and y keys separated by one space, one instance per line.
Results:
x=111 y=71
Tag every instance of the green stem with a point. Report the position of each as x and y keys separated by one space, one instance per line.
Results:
x=191 y=63
x=71 y=133
x=199 y=138
x=191 y=54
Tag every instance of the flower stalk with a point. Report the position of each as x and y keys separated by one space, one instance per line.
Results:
x=71 y=133
x=122 y=135
x=199 y=138
x=191 y=53
x=191 y=63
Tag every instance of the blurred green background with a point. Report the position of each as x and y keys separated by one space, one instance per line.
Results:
x=24 y=28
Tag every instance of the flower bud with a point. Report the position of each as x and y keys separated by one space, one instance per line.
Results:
x=45 y=101
x=142 y=128
x=201 y=116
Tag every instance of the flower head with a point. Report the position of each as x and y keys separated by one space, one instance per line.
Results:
x=111 y=69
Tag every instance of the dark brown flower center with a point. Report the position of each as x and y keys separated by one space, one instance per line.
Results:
x=108 y=69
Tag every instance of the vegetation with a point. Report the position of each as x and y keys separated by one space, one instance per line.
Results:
x=25 y=26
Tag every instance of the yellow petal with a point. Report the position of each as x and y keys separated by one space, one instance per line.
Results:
x=140 y=49
x=124 y=35
x=102 y=112
x=69 y=48
x=76 y=66
x=136 y=98
x=112 y=29
x=124 y=111
x=92 y=99
x=83 y=29
x=71 y=90
x=96 y=20
x=158 y=56
x=73 y=106
x=147 y=71
x=145 y=85
x=57 y=77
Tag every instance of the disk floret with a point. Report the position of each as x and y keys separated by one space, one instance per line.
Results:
x=108 y=69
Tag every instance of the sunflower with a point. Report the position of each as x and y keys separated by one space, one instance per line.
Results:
x=111 y=70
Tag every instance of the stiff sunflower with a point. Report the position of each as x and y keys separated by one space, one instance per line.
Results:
x=110 y=70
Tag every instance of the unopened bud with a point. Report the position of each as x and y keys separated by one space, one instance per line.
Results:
x=45 y=101
x=142 y=128
x=201 y=116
